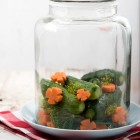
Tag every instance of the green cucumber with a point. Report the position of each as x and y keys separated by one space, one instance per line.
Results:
x=60 y=116
x=96 y=93
x=73 y=84
x=110 y=110
x=90 y=113
x=69 y=102
x=106 y=76
x=95 y=81
x=102 y=106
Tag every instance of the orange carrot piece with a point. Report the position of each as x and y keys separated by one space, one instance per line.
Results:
x=43 y=117
x=59 y=77
x=119 y=116
x=82 y=95
x=42 y=112
x=87 y=125
x=42 y=120
x=101 y=126
x=54 y=95
x=50 y=124
x=109 y=88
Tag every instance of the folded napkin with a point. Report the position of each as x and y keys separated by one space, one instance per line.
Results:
x=12 y=121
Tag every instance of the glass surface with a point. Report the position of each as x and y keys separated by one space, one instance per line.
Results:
x=83 y=67
x=82 y=0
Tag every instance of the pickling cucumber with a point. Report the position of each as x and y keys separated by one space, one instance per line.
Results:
x=72 y=84
x=69 y=102
x=106 y=76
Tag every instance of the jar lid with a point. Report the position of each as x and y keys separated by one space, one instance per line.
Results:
x=89 y=3
x=83 y=0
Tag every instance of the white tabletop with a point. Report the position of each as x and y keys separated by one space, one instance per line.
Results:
x=15 y=89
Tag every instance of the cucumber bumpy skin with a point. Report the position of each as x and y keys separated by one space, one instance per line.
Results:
x=106 y=76
x=70 y=102
x=101 y=106
x=110 y=110
x=73 y=84
x=90 y=113
x=60 y=116
x=64 y=115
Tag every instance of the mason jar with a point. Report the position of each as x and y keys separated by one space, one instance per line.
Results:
x=83 y=66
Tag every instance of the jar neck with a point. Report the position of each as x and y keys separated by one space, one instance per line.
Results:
x=82 y=10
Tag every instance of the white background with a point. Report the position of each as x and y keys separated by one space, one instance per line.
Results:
x=17 y=20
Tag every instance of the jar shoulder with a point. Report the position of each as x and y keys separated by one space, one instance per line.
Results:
x=118 y=19
x=42 y=21
x=122 y=21
x=51 y=23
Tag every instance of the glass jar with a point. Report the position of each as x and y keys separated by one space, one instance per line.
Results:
x=83 y=66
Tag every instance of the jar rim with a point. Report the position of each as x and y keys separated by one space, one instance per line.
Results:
x=83 y=3
x=86 y=1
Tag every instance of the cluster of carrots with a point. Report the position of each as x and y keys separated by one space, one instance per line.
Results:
x=44 y=118
x=119 y=117
x=55 y=95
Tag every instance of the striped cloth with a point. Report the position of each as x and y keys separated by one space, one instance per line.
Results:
x=12 y=121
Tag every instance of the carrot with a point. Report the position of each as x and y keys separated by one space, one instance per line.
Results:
x=43 y=117
x=42 y=120
x=109 y=88
x=87 y=125
x=59 y=77
x=82 y=95
x=54 y=95
x=50 y=124
x=119 y=116
x=101 y=126
x=42 y=112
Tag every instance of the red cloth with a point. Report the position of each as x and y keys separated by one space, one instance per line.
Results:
x=14 y=123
